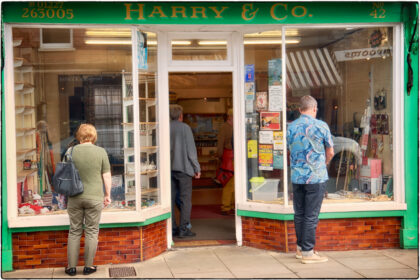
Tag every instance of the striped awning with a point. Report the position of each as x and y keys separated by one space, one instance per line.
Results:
x=312 y=68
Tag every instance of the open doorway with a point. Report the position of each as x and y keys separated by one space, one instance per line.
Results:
x=206 y=99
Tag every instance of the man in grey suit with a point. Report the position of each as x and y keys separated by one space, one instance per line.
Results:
x=184 y=166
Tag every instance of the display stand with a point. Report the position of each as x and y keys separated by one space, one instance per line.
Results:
x=27 y=172
x=148 y=147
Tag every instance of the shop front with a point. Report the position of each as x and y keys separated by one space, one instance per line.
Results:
x=120 y=65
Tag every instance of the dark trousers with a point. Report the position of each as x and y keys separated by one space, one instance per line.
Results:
x=181 y=183
x=307 y=200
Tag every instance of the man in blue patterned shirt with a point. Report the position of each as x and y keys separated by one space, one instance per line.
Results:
x=311 y=149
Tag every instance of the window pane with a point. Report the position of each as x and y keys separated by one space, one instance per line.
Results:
x=149 y=149
x=349 y=72
x=264 y=106
x=199 y=49
x=55 y=92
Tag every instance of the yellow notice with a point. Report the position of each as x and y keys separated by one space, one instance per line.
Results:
x=252 y=149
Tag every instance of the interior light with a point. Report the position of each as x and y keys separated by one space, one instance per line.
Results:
x=273 y=33
x=210 y=43
x=108 y=33
x=107 y=42
x=268 y=42
x=187 y=43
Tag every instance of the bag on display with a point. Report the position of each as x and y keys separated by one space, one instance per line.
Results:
x=227 y=160
x=66 y=179
x=223 y=176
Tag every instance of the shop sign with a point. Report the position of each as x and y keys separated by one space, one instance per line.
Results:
x=367 y=53
x=199 y=12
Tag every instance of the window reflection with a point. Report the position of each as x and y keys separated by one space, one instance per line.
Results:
x=349 y=72
x=56 y=91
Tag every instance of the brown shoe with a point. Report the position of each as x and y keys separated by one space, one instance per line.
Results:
x=314 y=258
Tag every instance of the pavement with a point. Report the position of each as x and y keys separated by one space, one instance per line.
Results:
x=231 y=261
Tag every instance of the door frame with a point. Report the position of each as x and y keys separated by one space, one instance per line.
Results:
x=231 y=65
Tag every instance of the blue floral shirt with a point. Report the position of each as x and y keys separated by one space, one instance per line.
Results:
x=307 y=138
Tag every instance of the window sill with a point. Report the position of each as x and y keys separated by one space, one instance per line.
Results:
x=326 y=207
x=106 y=218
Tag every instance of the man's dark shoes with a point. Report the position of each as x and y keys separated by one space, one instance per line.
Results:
x=186 y=233
x=175 y=232
x=89 y=270
x=70 y=271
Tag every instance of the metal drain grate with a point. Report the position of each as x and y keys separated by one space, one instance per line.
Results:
x=118 y=272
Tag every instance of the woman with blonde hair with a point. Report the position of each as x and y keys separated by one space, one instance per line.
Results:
x=85 y=209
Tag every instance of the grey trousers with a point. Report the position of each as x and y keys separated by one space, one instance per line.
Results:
x=88 y=212
x=182 y=183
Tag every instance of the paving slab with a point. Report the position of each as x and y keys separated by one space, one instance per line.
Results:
x=153 y=268
x=318 y=273
x=353 y=254
x=102 y=272
x=246 y=263
x=30 y=273
x=218 y=275
x=380 y=262
x=408 y=257
x=404 y=273
x=193 y=260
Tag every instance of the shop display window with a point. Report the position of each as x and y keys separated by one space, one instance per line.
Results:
x=264 y=107
x=56 y=90
x=148 y=119
x=349 y=71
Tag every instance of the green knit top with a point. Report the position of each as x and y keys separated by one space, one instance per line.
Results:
x=91 y=161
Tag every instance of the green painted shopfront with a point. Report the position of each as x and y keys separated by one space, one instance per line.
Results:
x=120 y=65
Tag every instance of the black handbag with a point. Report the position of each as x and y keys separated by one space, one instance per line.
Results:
x=66 y=179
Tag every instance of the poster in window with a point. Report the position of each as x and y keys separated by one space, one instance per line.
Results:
x=250 y=91
x=278 y=140
x=265 y=159
x=266 y=137
x=249 y=73
x=261 y=98
x=142 y=50
x=252 y=149
x=274 y=72
x=275 y=98
x=277 y=159
x=270 y=121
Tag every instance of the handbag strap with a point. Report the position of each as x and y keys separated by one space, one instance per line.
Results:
x=69 y=156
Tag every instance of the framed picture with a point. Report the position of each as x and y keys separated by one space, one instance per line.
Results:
x=270 y=121
x=261 y=98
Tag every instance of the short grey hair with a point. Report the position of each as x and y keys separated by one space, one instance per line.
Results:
x=175 y=111
x=307 y=102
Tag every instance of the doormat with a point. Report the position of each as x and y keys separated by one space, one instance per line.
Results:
x=122 y=272
x=198 y=243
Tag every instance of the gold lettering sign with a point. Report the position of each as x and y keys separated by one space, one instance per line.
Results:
x=218 y=12
x=157 y=10
x=299 y=11
x=178 y=10
x=248 y=11
x=273 y=11
x=128 y=11
x=198 y=10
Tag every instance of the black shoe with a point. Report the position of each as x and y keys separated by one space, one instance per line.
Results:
x=89 y=270
x=175 y=232
x=70 y=271
x=186 y=233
